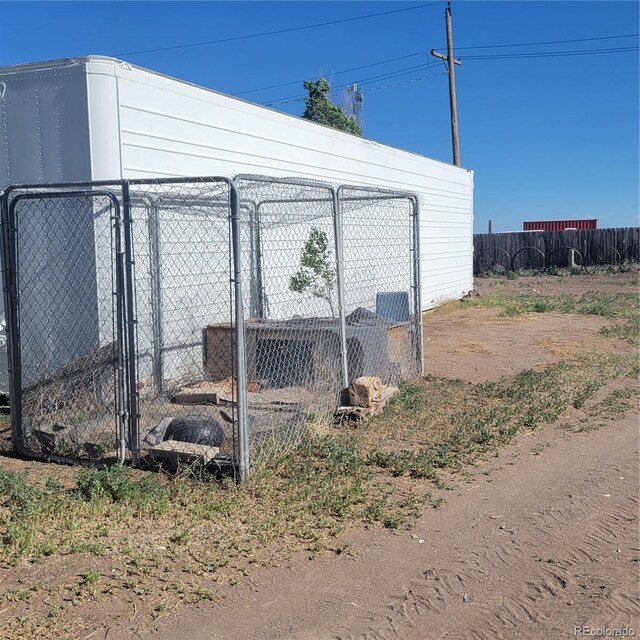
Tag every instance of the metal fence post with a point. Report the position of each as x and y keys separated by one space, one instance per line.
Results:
x=256 y=285
x=130 y=313
x=262 y=303
x=156 y=294
x=337 y=232
x=9 y=269
x=119 y=293
x=241 y=374
x=417 y=286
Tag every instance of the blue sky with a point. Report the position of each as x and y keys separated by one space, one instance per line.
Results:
x=547 y=137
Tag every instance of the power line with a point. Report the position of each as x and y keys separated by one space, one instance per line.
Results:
x=404 y=82
x=551 y=54
x=535 y=44
x=333 y=91
x=391 y=74
x=408 y=70
x=333 y=73
x=274 y=32
x=417 y=53
x=429 y=67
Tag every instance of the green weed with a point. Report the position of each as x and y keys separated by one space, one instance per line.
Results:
x=143 y=494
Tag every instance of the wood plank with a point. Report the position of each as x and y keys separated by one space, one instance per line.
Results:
x=175 y=451
x=206 y=393
x=351 y=414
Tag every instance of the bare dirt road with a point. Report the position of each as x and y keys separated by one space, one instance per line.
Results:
x=536 y=542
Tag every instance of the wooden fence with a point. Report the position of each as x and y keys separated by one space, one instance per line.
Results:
x=540 y=250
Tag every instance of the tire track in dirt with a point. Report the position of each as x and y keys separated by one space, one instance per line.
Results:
x=555 y=568
x=544 y=539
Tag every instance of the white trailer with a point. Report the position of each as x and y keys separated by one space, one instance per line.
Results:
x=98 y=118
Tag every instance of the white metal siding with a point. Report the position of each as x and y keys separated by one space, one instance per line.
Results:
x=103 y=119
x=44 y=137
x=170 y=128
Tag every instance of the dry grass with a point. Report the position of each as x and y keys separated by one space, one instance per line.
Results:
x=73 y=539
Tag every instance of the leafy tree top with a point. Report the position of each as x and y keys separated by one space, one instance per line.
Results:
x=319 y=108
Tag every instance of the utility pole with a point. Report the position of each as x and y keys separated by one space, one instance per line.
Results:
x=451 y=64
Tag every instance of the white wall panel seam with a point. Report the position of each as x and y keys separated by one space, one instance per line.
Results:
x=88 y=121
x=119 y=127
x=271 y=115
x=219 y=148
x=288 y=144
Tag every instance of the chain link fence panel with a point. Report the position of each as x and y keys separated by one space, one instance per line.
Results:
x=61 y=270
x=292 y=324
x=381 y=283
x=202 y=320
x=182 y=286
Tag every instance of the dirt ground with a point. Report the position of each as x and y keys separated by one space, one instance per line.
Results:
x=479 y=344
x=535 y=542
x=538 y=541
x=541 y=541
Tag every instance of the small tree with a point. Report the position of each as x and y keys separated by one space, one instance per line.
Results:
x=321 y=109
x=316 y=273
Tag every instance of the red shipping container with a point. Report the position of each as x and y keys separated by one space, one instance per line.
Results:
x=560 y=225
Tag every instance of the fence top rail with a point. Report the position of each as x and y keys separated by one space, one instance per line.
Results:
x=168 y=203
x=258 y=190
x=20 y=197
x=291 y=201
x=290 y=180
x=380 y=192
x=90 y=184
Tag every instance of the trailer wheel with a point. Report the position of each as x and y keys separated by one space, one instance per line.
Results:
x=630 y=257
x=608 y=256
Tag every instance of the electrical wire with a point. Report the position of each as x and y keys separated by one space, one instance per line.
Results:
x=335 y=90
x=404 y=82
x=532 y=54
x=535 y=44
x=384 y=76
x=400 y=84
x=408 y=70
x=334 y=73
x=274 y=32
x=551 y=54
